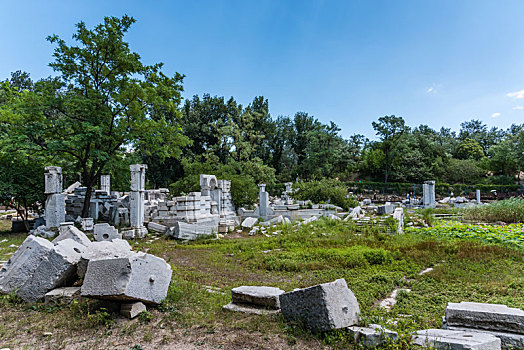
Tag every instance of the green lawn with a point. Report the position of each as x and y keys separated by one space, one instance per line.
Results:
x=372 y=263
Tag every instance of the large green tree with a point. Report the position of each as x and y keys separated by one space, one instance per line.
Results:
x=104 y=101
x=390 y=129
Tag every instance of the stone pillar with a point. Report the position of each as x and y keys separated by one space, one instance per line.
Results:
x=136 y=199
x=105 y=184
x=287 y=197
x=55 y=202
x=263 y=200
x=478 y=197
x=428 y=194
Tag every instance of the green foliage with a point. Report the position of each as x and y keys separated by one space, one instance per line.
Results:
x=103 y=101
x=512 y=235
x=101 y=317
x=509 y=210
x=469 y=149
x=325 y=190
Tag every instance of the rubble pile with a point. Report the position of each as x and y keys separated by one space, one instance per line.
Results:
x=73 y=265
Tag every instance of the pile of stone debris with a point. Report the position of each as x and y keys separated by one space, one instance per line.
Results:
x=72 y=265
x=333 y=305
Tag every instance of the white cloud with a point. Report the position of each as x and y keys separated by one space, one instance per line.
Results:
x=517 y=94
x=495 y=115
x=518 y=108
x=431 y=90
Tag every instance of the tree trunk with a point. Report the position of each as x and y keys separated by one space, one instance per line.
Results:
x=87 y=200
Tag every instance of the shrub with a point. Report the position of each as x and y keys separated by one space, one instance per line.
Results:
x=325 y=190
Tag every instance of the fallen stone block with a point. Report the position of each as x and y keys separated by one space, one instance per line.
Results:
x=117 y=248
x=277 y=220
x=71 y=232
x=140 y=277
x=105 y=232
x=372 y=336
x=507 y=340
x=456 y=340
x=322 y=307
x=43 y=231
x=334 y=217
x=309 y=220
x=496 y=317
x=132 y=310
x=355 y=213
x=56 y=270
x=22 y=265
x=261 y=296
x=249 y=309
x=87 y=224
x=249 y=222
x=190 y=231
x=156 y=227
x=385 y=209
x=64 y=295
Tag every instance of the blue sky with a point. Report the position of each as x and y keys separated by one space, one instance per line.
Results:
x=351 y=62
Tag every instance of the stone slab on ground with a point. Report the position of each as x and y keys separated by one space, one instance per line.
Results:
x=256 y=295
x=105 y=232
x=249 y=309
x=496 y=317
x=507 y=340
x=156 y=227
x=56 y=270
x=132 y=310
x=63 y=295
x=372 y=335
x=456 y=340
x=385 y=209
x=140 y=277
x=322 y=307
x=117 y=248
x=71 y=232
x=24 y=262
x=249 y=222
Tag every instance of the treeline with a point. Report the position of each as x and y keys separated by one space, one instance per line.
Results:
x=248 y=140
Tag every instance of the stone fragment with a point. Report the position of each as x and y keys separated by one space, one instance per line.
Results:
x=456 y=340
x=496 y=317
x=355 y=213
x=87 y=224
x=71 y=232
x=117 y=248
x=156 y=227
x=105 y=232
x=72 y=188
x=372 y=336
x=334 y=217
x=56 y=270
x=249 y=222
x=385 y=209
x=132 y=310
x=250 y=309
x=322 y=307
x=261 y=296
x=507 y=340
x=64 y=295
x=22 y=265
x=141 y=277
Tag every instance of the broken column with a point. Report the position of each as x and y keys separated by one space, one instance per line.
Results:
x=136 y=199
x=478 y=197
x=263 y=200
x=55 y=202
x=105 y=184
x=428 y=194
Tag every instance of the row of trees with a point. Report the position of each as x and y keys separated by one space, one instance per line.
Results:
x=105 y=109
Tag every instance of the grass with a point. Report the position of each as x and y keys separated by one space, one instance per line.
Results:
x=372 y=263
x=508 y=210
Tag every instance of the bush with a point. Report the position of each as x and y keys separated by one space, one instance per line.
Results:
x=325 y=190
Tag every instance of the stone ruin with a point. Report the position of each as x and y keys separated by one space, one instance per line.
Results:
x=71 y=265
x=333 y=305
x=55 y=202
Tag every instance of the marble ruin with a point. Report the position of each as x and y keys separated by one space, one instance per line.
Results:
x=55 y=202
